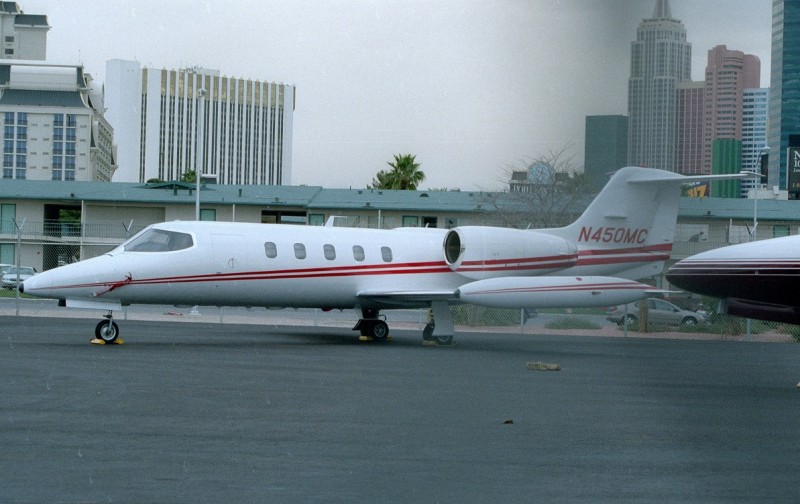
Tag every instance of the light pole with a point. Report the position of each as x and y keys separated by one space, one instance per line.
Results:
x=198 y=165
x=756 y=186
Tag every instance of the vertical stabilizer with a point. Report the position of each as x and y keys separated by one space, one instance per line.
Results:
x=629 y=228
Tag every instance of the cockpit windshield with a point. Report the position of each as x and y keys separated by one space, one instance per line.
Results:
x=159 y=240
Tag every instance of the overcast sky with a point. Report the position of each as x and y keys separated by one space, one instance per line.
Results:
x=469 y=87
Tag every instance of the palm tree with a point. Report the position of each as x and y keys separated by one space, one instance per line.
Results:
x=404 y=174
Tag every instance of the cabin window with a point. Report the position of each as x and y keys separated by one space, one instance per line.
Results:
x=358 y=252
x=299 y=251
x=330 y=251
x=386 y=254
x=159 y=240
x=271 y=250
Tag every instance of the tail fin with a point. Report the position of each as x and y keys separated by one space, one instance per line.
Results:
x=628 y=229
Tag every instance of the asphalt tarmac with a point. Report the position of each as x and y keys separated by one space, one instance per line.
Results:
x=188 y=412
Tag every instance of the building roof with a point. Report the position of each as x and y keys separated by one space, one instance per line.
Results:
x=31 y=20
x=318 y=198
x=37 y=98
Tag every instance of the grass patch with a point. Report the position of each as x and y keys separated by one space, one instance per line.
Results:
x=572 y=323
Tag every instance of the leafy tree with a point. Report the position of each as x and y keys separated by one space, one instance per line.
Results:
x=546 y=191
x=404 y=174
x=189 y=176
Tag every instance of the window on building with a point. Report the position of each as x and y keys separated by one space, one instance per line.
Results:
x=70 y=149
x=56 y=175
x=9 y=51
x=330 y=251
x=22 y=118
x=271 y=250
x=8 y=132
x=58 y=134
x=22 y=147
x=8 y=146
x=9 y=117
x=299 y=251
x=8 y=213
x=8 y=173
x=10 y=39
x=410 y=221
x=386 y=254
x=20 y=174
x=779 y=230
x=208 y=214
x=358 y=253
x=430 y=222
x=22 y=161
x=58 y=119
x=22 y=132
x=72 y=120
x=69 y=174
x=316 y=219
x=8 y=160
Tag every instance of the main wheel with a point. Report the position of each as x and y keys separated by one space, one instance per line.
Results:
x=444 y=340
x=107 y=330
x=380 y=330
x=689 y=321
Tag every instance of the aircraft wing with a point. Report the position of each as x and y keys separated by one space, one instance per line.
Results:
x=407 y=298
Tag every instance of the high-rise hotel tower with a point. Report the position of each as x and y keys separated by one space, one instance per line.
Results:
x=660 y=59
x=169 y=122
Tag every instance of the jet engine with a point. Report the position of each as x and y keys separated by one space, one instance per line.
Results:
x=479 y=252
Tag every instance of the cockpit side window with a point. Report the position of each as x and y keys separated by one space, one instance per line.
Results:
x=159 y=240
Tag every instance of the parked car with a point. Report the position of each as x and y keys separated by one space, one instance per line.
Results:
x=9 y=278
x=4 y=267
x=658 y=312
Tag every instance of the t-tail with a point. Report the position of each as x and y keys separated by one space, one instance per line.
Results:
x=629 y=228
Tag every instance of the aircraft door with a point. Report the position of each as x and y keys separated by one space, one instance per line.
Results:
x=225 y=249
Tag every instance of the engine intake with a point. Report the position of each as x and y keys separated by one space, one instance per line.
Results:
x=479 y=252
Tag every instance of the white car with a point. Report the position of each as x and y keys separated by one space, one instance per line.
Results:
x=9 y=278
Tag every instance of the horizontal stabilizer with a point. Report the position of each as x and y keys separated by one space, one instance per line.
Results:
x=553 y=292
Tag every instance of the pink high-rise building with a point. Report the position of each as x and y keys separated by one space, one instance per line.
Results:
x=690 y=122
x=728 y=74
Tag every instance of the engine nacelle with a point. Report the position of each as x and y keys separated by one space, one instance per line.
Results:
x=479 y=252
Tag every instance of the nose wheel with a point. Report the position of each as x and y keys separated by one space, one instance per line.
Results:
x=107 y=332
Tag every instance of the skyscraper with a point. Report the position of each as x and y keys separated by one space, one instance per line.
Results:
x=754 y=133
x=660 y=58
x=784 y=94
x=690 y=124
x=244 y=135
x=606 y=147
x=728 y=74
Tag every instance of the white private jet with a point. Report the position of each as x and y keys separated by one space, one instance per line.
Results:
x=625 y=234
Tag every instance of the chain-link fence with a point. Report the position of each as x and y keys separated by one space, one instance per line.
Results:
x=583 y=322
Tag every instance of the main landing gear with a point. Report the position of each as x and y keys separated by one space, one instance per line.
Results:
x=437 y=332
x=371 y=327
x=107 y=332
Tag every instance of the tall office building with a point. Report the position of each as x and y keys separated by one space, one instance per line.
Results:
x=24 y=36
x=754 y=133
x=244 y=137
x=784 y=94
x=690 y=119
x=606 y=147
x=660 y=59
x=728 y=74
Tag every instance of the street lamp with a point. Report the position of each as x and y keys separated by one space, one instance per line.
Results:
x=198 y=166
x=756 y=186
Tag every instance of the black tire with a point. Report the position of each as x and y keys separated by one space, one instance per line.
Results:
x=107 y=330
x=380 y=330
x=444 y=340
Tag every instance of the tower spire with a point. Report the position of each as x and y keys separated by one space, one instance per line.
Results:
x=662 y=10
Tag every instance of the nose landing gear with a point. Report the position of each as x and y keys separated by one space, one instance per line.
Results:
x=107 y=332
